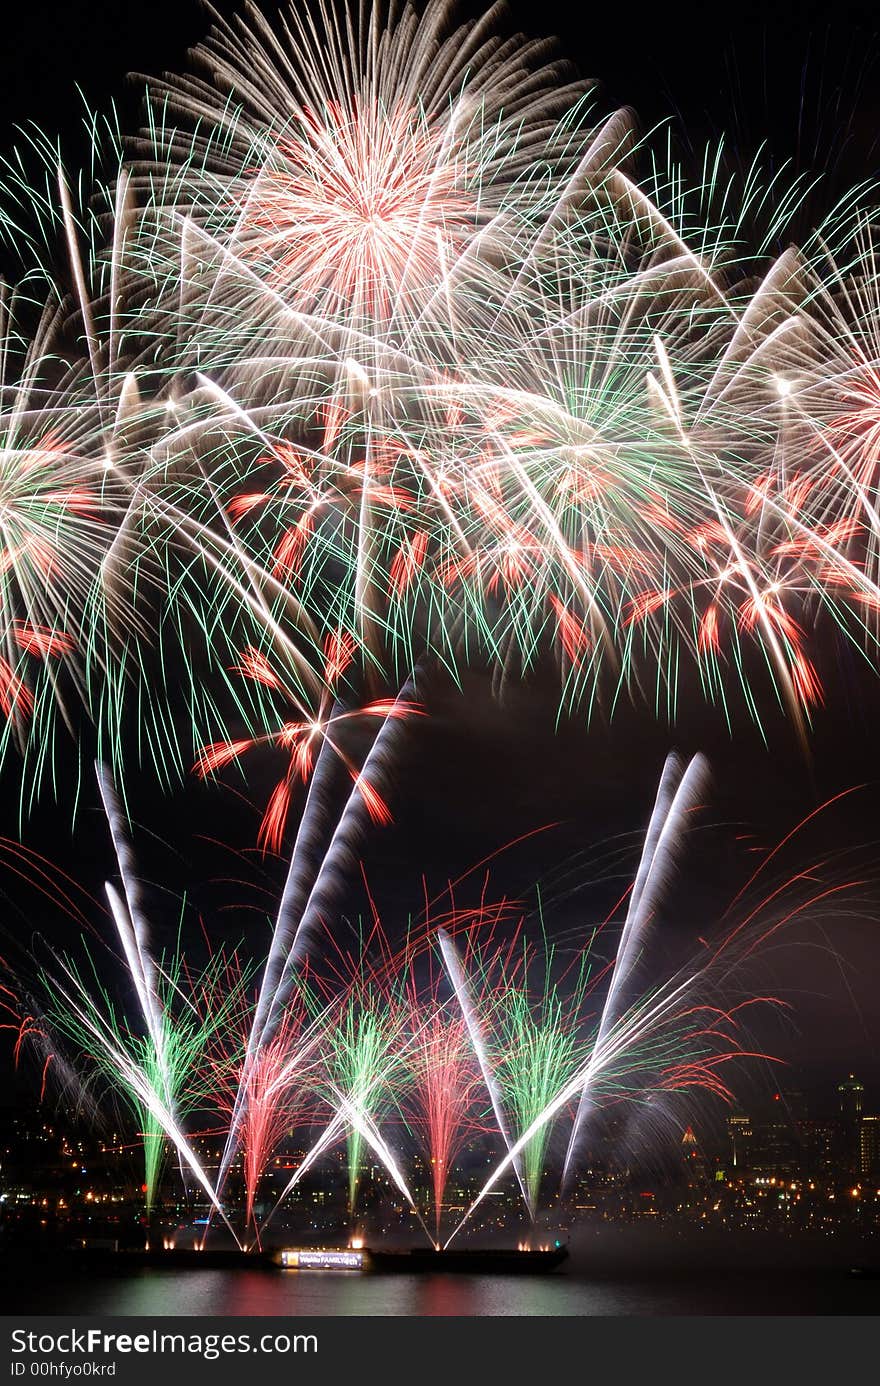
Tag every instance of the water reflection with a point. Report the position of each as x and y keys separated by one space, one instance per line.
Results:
x=228 y=1294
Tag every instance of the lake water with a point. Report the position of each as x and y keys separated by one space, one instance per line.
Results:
x=571 y=1291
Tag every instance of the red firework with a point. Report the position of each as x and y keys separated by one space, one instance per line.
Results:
x=301 y=739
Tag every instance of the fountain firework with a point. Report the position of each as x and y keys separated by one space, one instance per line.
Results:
x=475 y=1031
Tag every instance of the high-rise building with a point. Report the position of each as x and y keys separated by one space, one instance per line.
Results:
x=818 y=1141
x=774 y=1148
x=850 y=1095
x=740 y=1136
x=869 y=1147
x=693 y=1157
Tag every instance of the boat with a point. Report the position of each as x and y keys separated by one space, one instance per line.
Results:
x=408 y=1261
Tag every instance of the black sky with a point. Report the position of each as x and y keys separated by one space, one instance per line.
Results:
x=801 y=75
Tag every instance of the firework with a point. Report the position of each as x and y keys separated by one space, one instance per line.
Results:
x=361 y=1063
x=58 y=516
x=538 y=1035
x=384 y=353
x=388 y=352
x=302 y=740
x=161 y=1073
x=677 y=796
x=445 y=1085
x=476 y=1035
x=273 y=1093
x=512 y=1042
x=360 y=158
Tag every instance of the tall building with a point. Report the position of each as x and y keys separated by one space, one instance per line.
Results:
x=740 y=1135
x=850 y=1094
x=774 y=1148
x=692 y=1155
x=869 y=1147
x=818 y=1141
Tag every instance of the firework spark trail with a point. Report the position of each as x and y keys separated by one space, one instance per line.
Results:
x=677 y=796
x=262 y=1089
x=359 y=1050
x=445 y=1085
x=630 y=1031
x=462 y=992
x=131 y=927
x=229 y=47
x=369 y=1132
x=300 y=738
x=128 y=915
x=165 y=1040
x=311 y=889
x=82 y=1012
x=341 y=855
x=142 y=973
x=331 y=1133
x=27 y=1028
x=537 y=1045
x=360 y=158
x=56 y=519
x=542 y=385
x=359 y=1059
x=276 y=1090
x=364 y=1058
x=305 y=865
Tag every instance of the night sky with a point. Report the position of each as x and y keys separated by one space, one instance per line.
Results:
x=803 y=78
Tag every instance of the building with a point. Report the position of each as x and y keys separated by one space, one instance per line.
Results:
x=819 y=1142
x=850 y=1094
x=774 y=1149
x=692 y=1155
x=869 y=1147
x=740 y=1136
